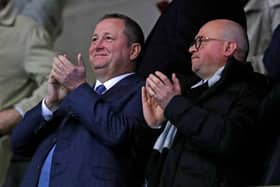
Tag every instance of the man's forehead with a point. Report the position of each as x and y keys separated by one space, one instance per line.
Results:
x=211 y=29
x=113 y=21
x=109 y=25
x=202 y=32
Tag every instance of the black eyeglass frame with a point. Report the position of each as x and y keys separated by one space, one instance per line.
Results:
x=199 y=39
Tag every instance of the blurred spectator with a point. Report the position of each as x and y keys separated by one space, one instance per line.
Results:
x=26 y=54
x=269 y=114
x=272 y=56
x=20 y=4
x=45 y=12
x=162 y=5
x=262 y=19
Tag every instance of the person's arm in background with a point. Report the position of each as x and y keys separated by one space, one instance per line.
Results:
x=37 y=64
x=259 y=35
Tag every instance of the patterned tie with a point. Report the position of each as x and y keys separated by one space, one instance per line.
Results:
x=100 y=89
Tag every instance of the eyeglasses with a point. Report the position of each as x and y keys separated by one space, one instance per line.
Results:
x=199 y=39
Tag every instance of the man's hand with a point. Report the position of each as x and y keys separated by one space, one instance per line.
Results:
x=56 y=92
x=162 y=89
x=8 y=120
x=69 y=75
x=63 y=78
x=153 y=113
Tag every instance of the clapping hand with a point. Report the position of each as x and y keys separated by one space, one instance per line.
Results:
x=64 y=77
x=156 y=94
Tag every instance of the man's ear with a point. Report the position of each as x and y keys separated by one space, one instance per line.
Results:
x=135 y=50
x=229 y=48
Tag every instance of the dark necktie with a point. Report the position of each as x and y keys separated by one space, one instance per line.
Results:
x=100 y=89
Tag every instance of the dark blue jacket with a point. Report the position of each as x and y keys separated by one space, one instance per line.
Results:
x=101 y=141
x=272 y=56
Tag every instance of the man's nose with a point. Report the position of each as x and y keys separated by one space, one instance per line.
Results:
x=99 y=43
x=192 y=49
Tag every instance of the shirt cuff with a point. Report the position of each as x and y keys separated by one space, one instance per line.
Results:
x=19 y=110
x=47 y=113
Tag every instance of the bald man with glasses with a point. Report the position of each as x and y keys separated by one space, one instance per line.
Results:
x=212 y=121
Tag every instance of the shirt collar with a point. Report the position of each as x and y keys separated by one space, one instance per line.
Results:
x=217 y=76
x=212 y=80
x=111 y=82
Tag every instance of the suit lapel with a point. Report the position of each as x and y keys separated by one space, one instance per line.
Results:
x=123 y=90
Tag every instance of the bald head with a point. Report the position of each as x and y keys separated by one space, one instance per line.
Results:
x=230 y=31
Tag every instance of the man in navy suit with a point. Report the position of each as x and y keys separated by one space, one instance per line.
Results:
x=79 y=137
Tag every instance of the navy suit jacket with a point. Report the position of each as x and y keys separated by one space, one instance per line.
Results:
x=101 y=141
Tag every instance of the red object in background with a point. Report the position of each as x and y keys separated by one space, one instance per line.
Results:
x=162 y=5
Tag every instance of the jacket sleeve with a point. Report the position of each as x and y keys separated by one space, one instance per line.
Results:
x=30 y=132
x=110 y=125
x=212 y=131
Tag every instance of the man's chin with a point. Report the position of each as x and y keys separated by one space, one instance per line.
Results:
x=99 y=66
x=194 y=69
